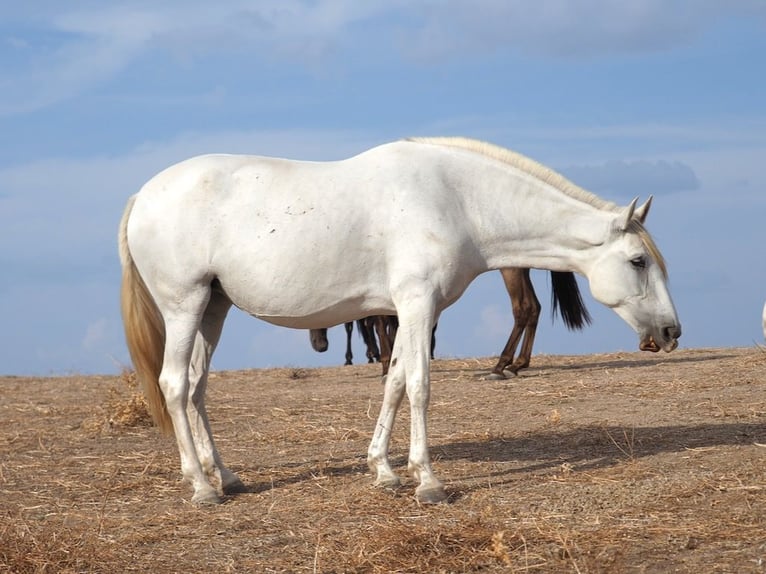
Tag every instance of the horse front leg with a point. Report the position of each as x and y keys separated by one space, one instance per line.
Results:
x=416 y=344
x=411 y=332
x=349 y=355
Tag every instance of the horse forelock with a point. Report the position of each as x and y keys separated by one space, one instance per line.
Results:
x=635 y=226
x=523 y=163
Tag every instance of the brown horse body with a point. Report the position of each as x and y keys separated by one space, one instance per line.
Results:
x=565 y=298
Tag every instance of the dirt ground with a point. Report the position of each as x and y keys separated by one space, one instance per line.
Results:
x=603 y=463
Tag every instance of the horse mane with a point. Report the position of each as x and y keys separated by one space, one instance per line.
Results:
x=523 y=163
x=549 y=176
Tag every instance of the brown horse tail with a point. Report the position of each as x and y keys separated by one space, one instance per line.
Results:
x=144 y=329
x=565 y=296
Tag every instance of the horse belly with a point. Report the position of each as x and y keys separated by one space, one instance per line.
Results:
x=304 y=276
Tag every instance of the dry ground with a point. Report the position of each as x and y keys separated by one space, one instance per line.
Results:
x=603 y=463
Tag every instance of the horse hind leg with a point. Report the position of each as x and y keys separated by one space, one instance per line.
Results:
x=366 y=327
x=514 y=280
x=528 y=315
x=205 y=343
x=182 y=322
x=382 y=325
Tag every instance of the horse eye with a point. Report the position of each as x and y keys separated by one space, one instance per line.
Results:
x=638 y=262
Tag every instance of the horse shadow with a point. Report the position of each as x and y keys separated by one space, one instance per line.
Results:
x=594 y=447
x=585 y=448
x=643 y=360
x=626 y=363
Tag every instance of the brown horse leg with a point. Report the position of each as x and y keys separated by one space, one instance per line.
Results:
x=349 y=355
x=366 y=328
x=526 y=310
x=386 y=327
x=529 y=316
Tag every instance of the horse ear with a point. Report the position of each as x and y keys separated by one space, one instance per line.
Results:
x=641 y=212
x=623 y=220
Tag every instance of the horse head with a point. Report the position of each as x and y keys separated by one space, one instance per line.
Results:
x=629 y=275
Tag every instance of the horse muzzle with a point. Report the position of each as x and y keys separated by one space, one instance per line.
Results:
x=668 y=343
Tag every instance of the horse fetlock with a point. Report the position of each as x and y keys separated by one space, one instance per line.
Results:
x=384 y=476
x=388 y=481
x=206 y=495
x=517 y=365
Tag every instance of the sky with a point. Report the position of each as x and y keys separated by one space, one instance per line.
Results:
x=661 y=97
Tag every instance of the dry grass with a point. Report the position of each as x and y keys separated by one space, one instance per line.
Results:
x=603 y=463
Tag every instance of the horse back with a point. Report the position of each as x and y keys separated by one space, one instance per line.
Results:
x=300 y=239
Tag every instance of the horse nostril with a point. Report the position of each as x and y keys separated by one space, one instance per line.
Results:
x=672 y=332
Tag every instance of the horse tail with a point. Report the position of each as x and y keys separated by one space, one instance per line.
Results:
x=144 y=329
x=565 y=296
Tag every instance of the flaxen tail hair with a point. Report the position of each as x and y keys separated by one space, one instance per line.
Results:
x=144 y=329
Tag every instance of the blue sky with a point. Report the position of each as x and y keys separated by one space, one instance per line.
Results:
x=626 y=98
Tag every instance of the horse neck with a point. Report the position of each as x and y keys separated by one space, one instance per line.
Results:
x=537 y=226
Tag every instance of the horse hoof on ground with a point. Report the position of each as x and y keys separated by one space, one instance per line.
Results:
x=495 y=377
x=388 y=483
x=433 y=495
x=206 y=498
x=235 y=487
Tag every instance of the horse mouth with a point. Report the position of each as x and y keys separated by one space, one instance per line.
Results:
x=649 y=344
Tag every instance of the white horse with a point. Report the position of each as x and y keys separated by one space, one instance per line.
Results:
x=400 y=229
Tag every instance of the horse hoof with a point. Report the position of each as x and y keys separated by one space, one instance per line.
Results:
x=495 y=377
x=206 y=498
x=235 y=487
x=388 y=483
x=433 y=495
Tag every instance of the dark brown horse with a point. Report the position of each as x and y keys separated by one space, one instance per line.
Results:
x=565 y=298
x=365 y=327
x=385 y=326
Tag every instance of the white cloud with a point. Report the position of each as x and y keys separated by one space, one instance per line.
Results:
x=92 y=47
x=82 y=45
x=71 y=48
x=562 y=28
